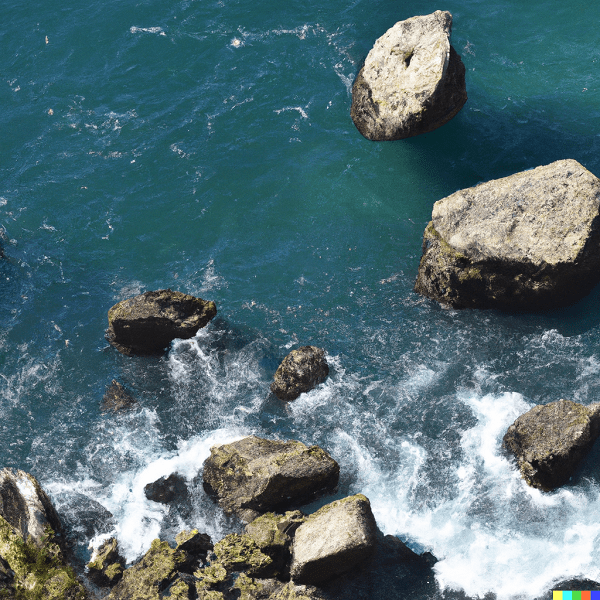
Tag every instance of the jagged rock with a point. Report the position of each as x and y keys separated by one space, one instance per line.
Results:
x=241 y=553
x=300 y=371
x=412 y=82
x=106 y=566
x=148 y=323
x=525 y=242
x=194 y=543
x=273 y=534
x=254 y=475
x=550 y=440
x=166 y=489
x=31 y=559
x=272 y=589
x=335 y=539
x=116 y=398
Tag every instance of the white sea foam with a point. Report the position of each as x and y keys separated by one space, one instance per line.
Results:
x=158 y=30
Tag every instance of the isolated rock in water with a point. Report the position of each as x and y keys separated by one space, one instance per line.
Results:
x=148 y=323
x=31 y=559
x=335 y=539
x=550 y=441
x=254 y=475
x=412 y=82
x=166 y=489
x=116 y=397
x=106 y=566
x=300 y=371
x=525 y=242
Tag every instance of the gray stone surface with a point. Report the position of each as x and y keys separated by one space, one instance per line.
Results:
x=148 y=323
x=525 y=242
x=550 y=441
x=412 y=81
x=299 y=372
x=335 y=539
x=254 y=475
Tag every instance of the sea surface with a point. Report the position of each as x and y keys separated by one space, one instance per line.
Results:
x=206 y=146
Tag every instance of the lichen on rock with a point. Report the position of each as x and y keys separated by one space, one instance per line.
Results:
x=299 y=372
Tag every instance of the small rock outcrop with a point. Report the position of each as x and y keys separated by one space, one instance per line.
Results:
x=530 y=241
x=166 y=489
x=148 y=323
x=550 y=440
x=106 y=566
x=412 y=82
x=254 y=475
x=300 y=371
x=117 y=398
x=335 y=539
x=32 y=564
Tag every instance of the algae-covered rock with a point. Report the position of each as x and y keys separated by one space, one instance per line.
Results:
x=272 y=589
x=117 y=398
x=550 y=441
x=529 y=241
x=106 y=566
x=151 y=576
x=299 y=372
x=148 y=323
x=194 y=543
x=241 y=553
x=254 y=475
x=337 y=538
x=412 y=82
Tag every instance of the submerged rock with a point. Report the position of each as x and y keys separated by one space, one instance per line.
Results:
x=106 y=566
x=254 y=475
x=550 y=440
x=31 y=558
x=166 y=489
x=300 y=371
x=412 y=82
x=525 y=242
x=148 y=323
x=116 y=398
x=335 y=539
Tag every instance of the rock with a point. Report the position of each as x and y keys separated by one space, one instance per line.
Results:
x=148 y=323
x=272 y=589
x=106 y=566
x=31 y=560
x=166 y=489
x=550 y=441
x=273 y=534
x=254 y=475
x=300 y=371
x=525 y=242
x=241 y=553
x=412 y=82
x=194 y=543
x=116 y=398
x=335 y=539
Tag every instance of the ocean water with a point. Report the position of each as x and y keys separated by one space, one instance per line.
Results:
x=207 y=146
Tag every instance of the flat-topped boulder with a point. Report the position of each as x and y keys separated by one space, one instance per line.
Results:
x=529 y=241
x=299 y=372
x=412 y=82
x=148 y=323
x=550 y=441
x=254 y=476
x=335 y=539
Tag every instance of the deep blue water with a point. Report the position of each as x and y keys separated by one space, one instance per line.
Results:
x=207 y=147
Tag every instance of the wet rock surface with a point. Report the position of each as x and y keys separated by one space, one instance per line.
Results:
x=299 y=372
x=148 y=323
x=117 y=398
x=254 y=475
x=166 y=489
x=412 y=82
x=335 y=539
x=106 y=566
x=529 y=241
x=551 y=440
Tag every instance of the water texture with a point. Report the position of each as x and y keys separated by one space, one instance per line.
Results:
x=207 y=146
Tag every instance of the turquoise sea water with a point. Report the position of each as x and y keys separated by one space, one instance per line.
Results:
x=207 y=147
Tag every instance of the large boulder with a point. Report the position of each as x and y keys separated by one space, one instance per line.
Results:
x=254 y=475
x=412 y=82
x=167 y=489
x=335 y=539
x=550 y=440
x=148 y=323
x=300 y=371
x=32 y=563
x=525 y=242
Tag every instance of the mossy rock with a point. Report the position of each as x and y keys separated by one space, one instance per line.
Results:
x=106 y=566
x=241 y=553
x=299 y=372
